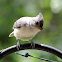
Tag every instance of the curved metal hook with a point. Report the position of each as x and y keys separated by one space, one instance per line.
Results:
x=43 y=47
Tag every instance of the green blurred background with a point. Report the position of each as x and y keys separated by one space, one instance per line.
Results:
x=11 y=10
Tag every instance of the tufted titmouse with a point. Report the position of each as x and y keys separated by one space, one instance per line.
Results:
x=26 y=28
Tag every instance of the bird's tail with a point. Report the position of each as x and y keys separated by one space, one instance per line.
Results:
x=11 y=34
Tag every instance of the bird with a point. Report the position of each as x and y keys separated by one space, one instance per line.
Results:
x=26 y=28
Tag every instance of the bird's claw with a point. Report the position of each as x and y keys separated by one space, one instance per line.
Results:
x=32 y=44
x=18 y=45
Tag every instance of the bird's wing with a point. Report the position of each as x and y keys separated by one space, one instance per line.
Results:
x=22 y=21
x=17 y=24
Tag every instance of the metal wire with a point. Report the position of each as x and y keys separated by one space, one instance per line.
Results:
x=28 y=55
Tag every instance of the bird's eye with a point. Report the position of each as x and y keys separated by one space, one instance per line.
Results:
x=37 y=23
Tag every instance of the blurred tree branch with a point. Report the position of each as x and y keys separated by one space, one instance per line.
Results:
x=43 y=47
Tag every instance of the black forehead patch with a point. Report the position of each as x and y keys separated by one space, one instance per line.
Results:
x=41 y=23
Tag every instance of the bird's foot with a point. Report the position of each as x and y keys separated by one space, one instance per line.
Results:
x=32 y=44
x=18 y=45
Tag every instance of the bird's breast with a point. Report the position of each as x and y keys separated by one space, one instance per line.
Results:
x=25 y=34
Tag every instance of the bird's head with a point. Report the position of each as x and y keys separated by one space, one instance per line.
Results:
x=39 y=21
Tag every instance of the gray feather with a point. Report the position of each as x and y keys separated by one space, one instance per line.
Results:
x=17 y=24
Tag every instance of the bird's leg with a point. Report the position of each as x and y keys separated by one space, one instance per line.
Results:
x=32 y=44
x=18 y=45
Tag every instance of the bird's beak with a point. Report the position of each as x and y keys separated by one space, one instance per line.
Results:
x=40 y=28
